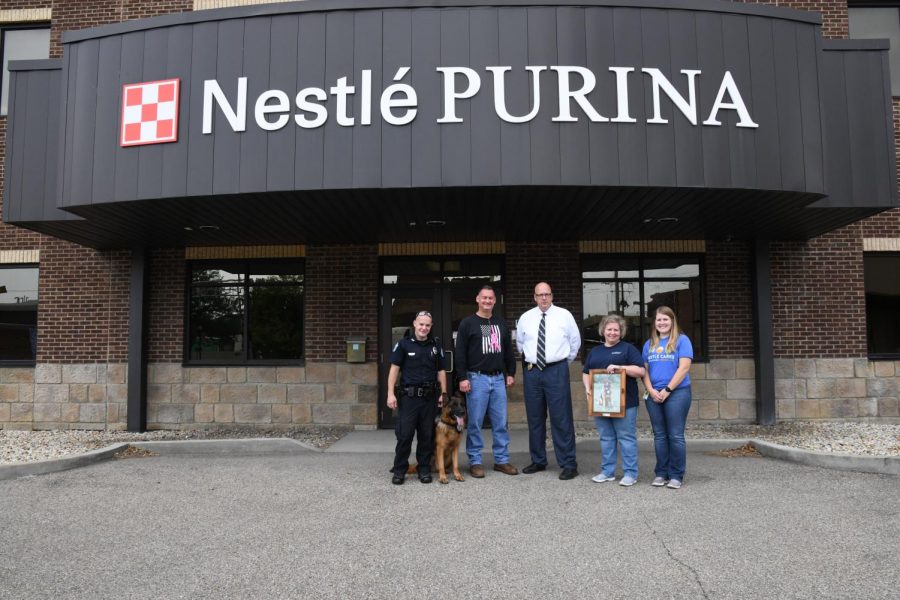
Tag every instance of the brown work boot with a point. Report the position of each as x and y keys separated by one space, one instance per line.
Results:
x=506 y=468
x=476 y=471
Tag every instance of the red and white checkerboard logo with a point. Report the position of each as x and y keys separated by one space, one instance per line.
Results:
x=150 y=112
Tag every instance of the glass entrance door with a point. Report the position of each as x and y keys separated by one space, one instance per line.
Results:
x=444 y=287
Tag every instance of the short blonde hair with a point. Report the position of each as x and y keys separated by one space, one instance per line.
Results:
x=618 y=320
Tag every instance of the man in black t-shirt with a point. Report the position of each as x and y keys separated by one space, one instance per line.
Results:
x=486 y=366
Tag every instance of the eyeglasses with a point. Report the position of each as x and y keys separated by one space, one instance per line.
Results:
x=423 y=313
x=543 y=295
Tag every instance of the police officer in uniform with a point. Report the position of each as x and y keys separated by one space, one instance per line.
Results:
x=419 y=361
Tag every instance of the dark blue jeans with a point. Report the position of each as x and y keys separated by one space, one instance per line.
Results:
x=549 y=390
x=668 y=421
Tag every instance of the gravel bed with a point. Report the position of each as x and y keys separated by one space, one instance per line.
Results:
x=27 y=446
x=844 y=437
x=866 y=439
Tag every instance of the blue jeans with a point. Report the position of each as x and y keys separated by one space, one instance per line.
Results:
x=624 y=432
x=487 y=396
x=668 y=421
x=549 y=391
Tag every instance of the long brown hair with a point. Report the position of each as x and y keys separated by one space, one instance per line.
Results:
x=673 y=335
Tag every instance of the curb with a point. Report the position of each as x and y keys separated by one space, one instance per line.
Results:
x=242 y=445
x=54 y=465
x=882 y=465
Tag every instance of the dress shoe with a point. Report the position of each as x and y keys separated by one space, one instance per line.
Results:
x=533 y=468
x=397 y=479
x=476 y=471
x=506 y=468
x=425 y=477
x=568 y=474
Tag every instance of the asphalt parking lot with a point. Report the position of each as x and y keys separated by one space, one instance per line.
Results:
x=313 y=525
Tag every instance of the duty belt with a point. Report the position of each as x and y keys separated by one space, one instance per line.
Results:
x=419 y=390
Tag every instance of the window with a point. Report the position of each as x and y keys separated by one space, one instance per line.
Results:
x=879 y=20
x=23 y=43
x=245 y=312
x=634 y=287
x=882 y=304
x=18 y=314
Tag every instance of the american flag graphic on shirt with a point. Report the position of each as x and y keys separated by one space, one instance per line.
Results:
x=490 y=339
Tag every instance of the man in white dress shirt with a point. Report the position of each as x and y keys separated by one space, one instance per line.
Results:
x=548 y=338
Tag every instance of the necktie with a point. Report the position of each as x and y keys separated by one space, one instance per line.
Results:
x=542 y=343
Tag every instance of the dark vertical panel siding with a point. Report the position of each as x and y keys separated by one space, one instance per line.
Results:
x=109 y=119
x=574 y=138
x=456 y=141
x=866 y=134
x=632 y=137
x=395 y=152
x=338 y=63
x=309 y=165
x=688 y=140
x=254 y=144
x=150 y=157
x=600 y=48
x=808 y=68
x=226 y=146
x=716 y=150
x=69 y=75
x=126 y=165
x=425 y=136
x=542 y=50
x=51 y=152
x=175 y=156
x=661 y=137
x=283 y=72
x=754 y=79
x=367 y=48
x=836 y=136
x=203 y=66
x=81 y=187
x=764 y=108
x=787 y=101
x=484 y=25
x=515 y=139
x=14 y=205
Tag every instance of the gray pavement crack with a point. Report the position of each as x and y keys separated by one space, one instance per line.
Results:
x=675 y=559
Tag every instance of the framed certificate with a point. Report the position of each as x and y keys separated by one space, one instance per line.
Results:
x=606 y=397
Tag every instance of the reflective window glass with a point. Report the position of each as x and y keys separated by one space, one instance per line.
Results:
x=22 y=44
x=18 y=313
x=882 y=304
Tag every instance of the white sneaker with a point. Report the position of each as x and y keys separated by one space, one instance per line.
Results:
x=659 y=482
x=628 y=480
x=602 y=478
x=674 y=484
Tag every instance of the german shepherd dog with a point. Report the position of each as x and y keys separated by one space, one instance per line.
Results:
x=449 y=428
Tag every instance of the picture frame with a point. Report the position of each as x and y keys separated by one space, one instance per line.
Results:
x=606 y=395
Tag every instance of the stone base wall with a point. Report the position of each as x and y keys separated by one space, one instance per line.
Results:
x=836 y=388
x=93 y=396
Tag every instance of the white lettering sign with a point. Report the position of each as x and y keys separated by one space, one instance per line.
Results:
x=398 y=103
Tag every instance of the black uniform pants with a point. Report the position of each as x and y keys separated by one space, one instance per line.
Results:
x=415 y=417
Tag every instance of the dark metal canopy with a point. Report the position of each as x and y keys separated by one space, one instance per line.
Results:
x=790 y=136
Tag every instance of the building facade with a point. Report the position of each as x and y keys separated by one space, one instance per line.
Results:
x=241 y=239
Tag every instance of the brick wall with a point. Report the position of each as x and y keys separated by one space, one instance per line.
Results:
x=729 y=299
x=80 y=14
x=528 y=263
x=341 y=300
x=818 y=296
x=165 y=317
x=834 y=13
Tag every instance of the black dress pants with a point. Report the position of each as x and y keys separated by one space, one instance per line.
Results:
x=415 y=417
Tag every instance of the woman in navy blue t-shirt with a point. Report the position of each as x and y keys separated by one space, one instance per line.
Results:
x=615 y=356
x=667 y=358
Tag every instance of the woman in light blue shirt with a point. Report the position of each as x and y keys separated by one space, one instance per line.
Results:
x=667 y=360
